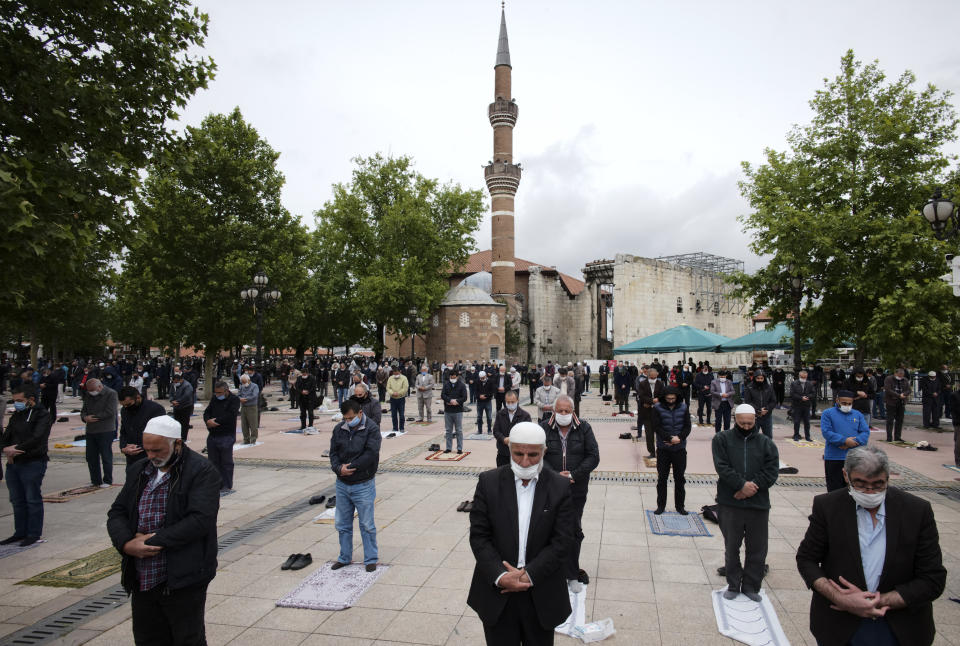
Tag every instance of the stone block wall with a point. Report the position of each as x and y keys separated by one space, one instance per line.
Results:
x=561 y=327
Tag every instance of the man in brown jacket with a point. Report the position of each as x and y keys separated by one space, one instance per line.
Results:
x=896 y=390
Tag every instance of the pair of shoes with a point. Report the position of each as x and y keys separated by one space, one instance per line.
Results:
x=316 y=500
x=753 y=596
x=389 y=435
x=370 y=567
x=301 y=561
x=796 y=438
x=583 y=577
x=459 y=451
x=434 y=448
x=12 y=540
x=658 y=511
x=420 y=420
x=463 y=505
x=467 y=506
x=338 y=564
x=682 y=511
x=203 y=450
x=447 y=451
x=105 y=486
x=29 y=540
x=290 y=561
x=331 y=502
x=730 y=595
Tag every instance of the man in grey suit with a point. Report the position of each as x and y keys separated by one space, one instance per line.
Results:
x=424 y=385
x=99 y=413
x=721 y=400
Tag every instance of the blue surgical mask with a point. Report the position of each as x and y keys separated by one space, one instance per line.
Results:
x=19 y=406
x=354 y=422
x=221 y=397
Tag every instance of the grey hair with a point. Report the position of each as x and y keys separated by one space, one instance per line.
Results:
x=869 y=461
x=361 y=384
x=93 y=382
x=221 y=385
x=245 y=378
x=561 y=398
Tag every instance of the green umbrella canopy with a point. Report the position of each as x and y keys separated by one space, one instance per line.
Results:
x=682 y=338
x=778 y=337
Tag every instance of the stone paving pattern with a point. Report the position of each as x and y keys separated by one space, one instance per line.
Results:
x=655 y=588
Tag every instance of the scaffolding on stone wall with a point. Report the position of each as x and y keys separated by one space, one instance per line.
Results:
x=713 y=290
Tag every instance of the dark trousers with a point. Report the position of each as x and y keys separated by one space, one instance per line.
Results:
x=576 y=405
x=704 y=402
x=722 y=415
x=604 y=385
x=100 y=450
x=621 y=396
x=220 y=453
x=306 y=415
x=643 y=421
x=895 y=421
x=518 y=624
x=879 y=405
x=765 y=423
x=740 y=525
x=533 y=391
x=293 y=398
x=382 y=391
x=579 y=498
x=397 y=407
x=945 y=404
x=182 y=415
x=873 y=633
x=473 y=393
x=23 y=485
x=484 y=406
x=678 y=460
x=956 y=445
x=51 y=406
x=499 y=396
x=779 y=391
x=162 y=387
x=931 y=411
x=164 y=617
x=801 y=413
x=833 y=472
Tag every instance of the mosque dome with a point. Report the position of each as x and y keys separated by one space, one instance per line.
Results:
x=472 y=290
x=481 y=279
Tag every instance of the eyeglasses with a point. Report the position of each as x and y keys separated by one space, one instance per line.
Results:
x=875 y=486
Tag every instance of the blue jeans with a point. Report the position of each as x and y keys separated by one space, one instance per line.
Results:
x=342 y=393
x=454 y=422
x=879 y=405
x=484 y=405
x=284 y=387
x=23 y=484
x=397 y=407
x=361 y=497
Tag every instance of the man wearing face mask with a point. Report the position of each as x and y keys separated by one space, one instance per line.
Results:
x=545 y=397
x=181 y=398
x=572 y=451
x=371 y=407
x=485 y=395
x=701 y=386
x=99 y=413
x=507 y=417
x=721 y=400
x=424 y=385
x=220 y=417
x=164 y=524
x=521 y=530
x=24 y=443
x=502 y=383
x=670 y=422
x=747 y=465
x=135 y=412
x=843 y=428
x=930 y=397
x=759 y=394
x=802 y=394
x=454 y=394
x=884 y=597
x=863 y=391
x=896 y=390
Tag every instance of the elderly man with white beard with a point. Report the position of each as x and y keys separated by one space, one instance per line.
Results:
x=521 y=531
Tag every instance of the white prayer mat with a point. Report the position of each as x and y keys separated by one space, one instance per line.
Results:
x=480 y=436
x=670 y=523
x=238 y=447
x=327 y=589
x=749 y=622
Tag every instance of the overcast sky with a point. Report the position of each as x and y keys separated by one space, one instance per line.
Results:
x=634 y=115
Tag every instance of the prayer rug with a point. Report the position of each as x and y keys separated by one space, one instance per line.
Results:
x=813 y=444
x=951 y=467
x=423 y=423
x=327 y=589
x=749 y=622
x=293 y=431
x=10 y=550
x=480 y=436
x=440 y=456
x=670 y=523
x=70 y=494
x=901 y=444
x=292 y=419
x=239 y=447
x=328 y=516
x=81 y=572
x=650 y=463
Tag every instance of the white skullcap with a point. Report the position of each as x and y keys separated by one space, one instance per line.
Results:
x=164 y=426
x=481 y=374
x=528 y=433
x=932 y=373
x=745 y=409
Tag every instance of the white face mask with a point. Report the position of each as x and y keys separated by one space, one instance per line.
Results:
x=564 y=419
x=453 y=381
x=846 y=409
x=868 y=500
x=526 y=473
x=721 y=379
x=511 y=407
x=802 y=380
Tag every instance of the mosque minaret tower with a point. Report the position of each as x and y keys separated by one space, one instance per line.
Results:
x=502 y=175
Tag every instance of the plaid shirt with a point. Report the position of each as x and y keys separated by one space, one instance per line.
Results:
x=152 y=509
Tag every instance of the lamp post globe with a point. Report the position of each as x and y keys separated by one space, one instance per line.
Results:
x=938 y=211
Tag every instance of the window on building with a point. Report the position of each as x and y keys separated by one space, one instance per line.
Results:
x=436 y=320
x=494 y=353
x=464 y=319
x=494 y=320
x=699 y=306
x=716 y=308
x=710 y=326
x=679 y=305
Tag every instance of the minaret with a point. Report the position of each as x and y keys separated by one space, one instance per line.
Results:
x=502 y=175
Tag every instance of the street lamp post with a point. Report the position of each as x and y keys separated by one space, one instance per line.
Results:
x=414 y=322
x=260 y=298
x=939 y=212
x=796 y=288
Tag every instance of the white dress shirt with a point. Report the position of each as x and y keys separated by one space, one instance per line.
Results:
x=524 y=512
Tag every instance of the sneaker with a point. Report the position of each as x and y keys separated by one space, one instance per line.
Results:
x=104 y=486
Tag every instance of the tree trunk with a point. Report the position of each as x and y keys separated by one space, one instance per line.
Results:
x=209 y=369
x=378 y=344
x=33 y=346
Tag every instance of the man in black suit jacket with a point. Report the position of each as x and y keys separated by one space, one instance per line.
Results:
x=519 y=590
x=647 y=398
x=507 y=417
x=881 y=595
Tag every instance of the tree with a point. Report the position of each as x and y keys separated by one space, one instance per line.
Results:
x=87 y=89
x=842 y=205
x=210 y=217
x=390 y=238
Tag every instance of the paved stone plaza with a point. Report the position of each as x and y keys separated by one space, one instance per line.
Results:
x=655 y=588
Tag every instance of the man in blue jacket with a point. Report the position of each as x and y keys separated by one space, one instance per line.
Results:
x=843 y=428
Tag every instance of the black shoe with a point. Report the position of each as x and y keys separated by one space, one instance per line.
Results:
x=370 y=567
x=459 y=452
x=682 y=511
x=331 y=502
x=434 y=448
x=12 y=540
x=29 y=540
x=753 y=596
x=766 y=569
x=808 y=439
x=302 y=561
x=730 y=595
x=722 y=570
x=462 y=505
x=658 y=511
x=337 y=565
x=447 y=451
x=290 y=561
x=796 y=438
x=583 y=577
x=316 y=500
